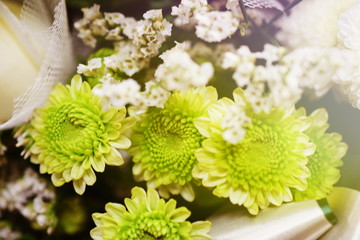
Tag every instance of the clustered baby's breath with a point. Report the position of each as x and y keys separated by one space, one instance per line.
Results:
x=180 y=72
x=211 y=25
x=33 y=198
x=7 y=232
x=128 y=92
x=285 y=76
x=135 y=42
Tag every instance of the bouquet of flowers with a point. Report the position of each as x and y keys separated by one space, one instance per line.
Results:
x=182 y=120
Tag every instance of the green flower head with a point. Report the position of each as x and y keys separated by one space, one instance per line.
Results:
x=146 y=216
x=262 y=167
x=72 y=135
x=324 y=163
x=165 y=139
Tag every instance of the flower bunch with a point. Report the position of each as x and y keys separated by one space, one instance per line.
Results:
x=183 y=113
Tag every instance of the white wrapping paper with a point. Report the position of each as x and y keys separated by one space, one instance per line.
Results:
x=42 y=30
x=345 y=204
x=298 y=220
x=336 y=218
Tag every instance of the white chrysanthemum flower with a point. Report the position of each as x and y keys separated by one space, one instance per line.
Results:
x=180 y=72
x=215 y=26
x=349 y=27
x=348 y=76
x=312 y=23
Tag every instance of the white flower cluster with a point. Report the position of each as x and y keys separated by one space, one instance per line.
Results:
x=6 y=233
x=216 y=54
x=283 y=77
x=126 y=59
x=265 y=85
x=214 y=25
x=128 y=91
x=315 y=68
x=135 y=41
x=233 y=122
x=211 y=26
x=31 y=197
x=180 y=72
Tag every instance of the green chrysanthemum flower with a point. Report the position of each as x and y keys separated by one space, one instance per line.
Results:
x=72 y=135
x=165 y=139
x=146 y=216
x=261 y=168
x=324 y=163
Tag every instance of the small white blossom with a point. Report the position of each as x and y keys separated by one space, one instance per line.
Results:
x=92 y=12
x=99 y=27
x=314 y=68
x=7 y=233
x=186 y=10
x=155 y=95
x=114 y=19
x=119 y=94
x=215 y=26
x=270 y=53
x=234 y=122
x=180 y=72
x=114 y=34
x=183 y=14
x=153 y=15
x=129 y=27
x=87 y=37
x=31 y=197
x=89 y=69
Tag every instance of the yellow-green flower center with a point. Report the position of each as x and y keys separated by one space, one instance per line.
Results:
x=259 y=158
x=170 y=141
x=72 y=129
x=150 y=225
